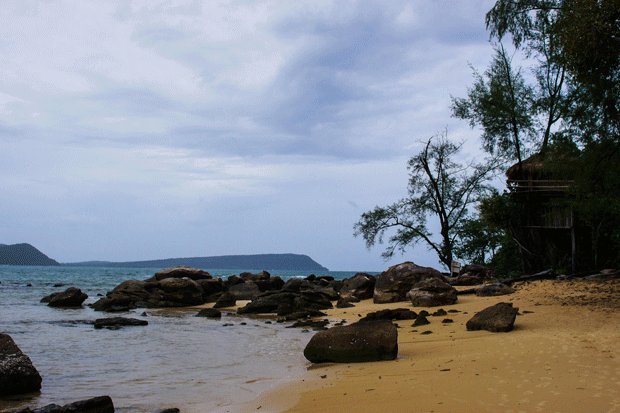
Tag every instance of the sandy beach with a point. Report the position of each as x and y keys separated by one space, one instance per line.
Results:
x=562 y=356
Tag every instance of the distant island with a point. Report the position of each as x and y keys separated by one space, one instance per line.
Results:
x=23 y=254
x=283 y=262
x=26 y=254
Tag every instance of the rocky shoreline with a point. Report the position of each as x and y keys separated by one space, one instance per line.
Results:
x=303 y=302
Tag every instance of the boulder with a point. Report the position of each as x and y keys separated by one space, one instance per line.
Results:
x=420 y=320
x=225 y=300
x=391 y=314
x=432 y=292
x=209 y=313
x=491 y=290
x=498 y=318
x=71 y=297
x=244 y=291
x=210 y=286
x=358 y=342
x=101 y=404
x=360 y=286
x=393 y=284
x=344 y=303
x=17 y=374
x=114 y=323
x=181 y=272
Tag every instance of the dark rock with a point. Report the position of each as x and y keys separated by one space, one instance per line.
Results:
x=424 y=313
x=299 y=315
x=420 y=320
x=71 y=297
x=282 y=302
x=498 y=318
x=181 y=272
x=114 y=323
x=358 y=342
x=426 y=332
x=57 y=285
x=169 y=410
x=209 y=313
x=244 y=291
x=439 y=313
x=447 y=321
x=17 y=374
x=491 y=290
x=391 y=314
x=467 y=280
x=432 y=292
x=360 y=286
x=343 y=303
x=225 y=300
x=210 y=287
x=102 y=404
x=314 y=324
x=393 y=284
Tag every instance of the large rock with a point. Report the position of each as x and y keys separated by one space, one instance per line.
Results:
x=71 y=297
x=225 y=300
x=393 y=284
x=432 y=292
x=498 y=318
x=359 y=342
x=360 y=286
x=101 y=404
x=492 y=290
x=181 y=272
x=17 y=374
x=244 y=291
x=114 y=323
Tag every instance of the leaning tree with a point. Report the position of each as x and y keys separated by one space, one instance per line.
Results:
x=440 y=188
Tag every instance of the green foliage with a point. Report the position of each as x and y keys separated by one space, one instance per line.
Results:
x=502 y=104
x=439 y=188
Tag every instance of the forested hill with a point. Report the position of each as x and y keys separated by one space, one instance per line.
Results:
x=284 y=262
x=23 y=254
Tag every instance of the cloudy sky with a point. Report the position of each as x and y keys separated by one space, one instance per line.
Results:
x=148 y=129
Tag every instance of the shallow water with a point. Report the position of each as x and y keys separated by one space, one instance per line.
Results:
x=178 y=360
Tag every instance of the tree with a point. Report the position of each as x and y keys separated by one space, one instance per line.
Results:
x=439 y=187
x=501 y=103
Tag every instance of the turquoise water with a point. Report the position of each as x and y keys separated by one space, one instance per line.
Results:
x=178 y=360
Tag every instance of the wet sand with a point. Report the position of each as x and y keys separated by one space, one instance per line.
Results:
x=562 y=356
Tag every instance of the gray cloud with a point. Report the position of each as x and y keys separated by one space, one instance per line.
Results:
x=130 y=123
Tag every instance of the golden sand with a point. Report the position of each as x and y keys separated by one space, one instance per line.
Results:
x=562 y=356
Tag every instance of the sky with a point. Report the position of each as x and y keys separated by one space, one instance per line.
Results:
x=134 y=130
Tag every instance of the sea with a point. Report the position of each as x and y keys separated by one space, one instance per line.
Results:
x=195 y=364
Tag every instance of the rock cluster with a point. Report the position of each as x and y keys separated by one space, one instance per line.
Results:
x=393 y=284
